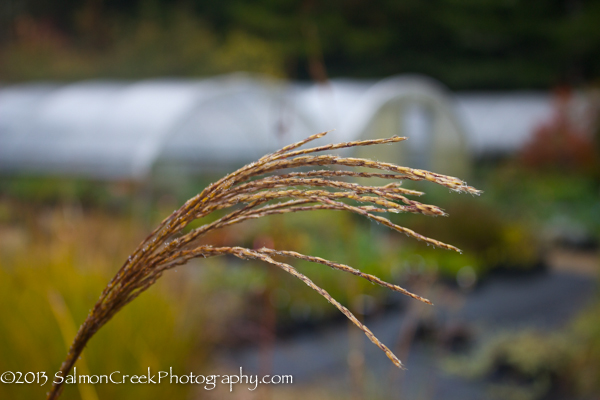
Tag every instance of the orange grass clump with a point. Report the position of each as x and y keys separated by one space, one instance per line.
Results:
x=320 y=189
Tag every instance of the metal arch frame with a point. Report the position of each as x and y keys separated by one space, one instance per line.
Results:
x=403 y=87
x=145 y=161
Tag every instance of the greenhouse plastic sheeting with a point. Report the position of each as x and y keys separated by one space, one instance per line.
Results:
x=121 y=130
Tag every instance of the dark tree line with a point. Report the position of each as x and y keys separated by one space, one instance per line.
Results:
x=467 y=44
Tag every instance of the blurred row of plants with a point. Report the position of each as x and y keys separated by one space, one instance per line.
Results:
x=496 y=44
x=536 y=364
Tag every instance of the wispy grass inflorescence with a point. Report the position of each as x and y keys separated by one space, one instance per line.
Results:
x=249 y=195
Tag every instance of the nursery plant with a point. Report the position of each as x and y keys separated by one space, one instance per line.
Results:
x=260 y=189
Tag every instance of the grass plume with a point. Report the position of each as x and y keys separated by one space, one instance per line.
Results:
x=250 y=195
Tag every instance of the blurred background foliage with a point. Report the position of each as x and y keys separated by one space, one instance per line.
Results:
x=62 y=239
x=495 y=44
x=536 y=364
x=54 y=262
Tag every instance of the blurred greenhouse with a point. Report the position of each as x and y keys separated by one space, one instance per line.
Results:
x=116 y=130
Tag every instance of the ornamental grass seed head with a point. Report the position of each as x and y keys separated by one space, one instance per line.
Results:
x=260 y=189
